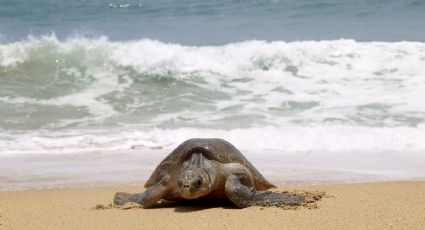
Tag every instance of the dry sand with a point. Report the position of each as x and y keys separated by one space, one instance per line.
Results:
x=392 y=205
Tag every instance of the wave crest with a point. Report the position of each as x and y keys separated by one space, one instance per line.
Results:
x=95 y=82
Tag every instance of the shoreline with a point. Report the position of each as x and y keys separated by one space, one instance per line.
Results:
x=385 y=205
x=133 y=167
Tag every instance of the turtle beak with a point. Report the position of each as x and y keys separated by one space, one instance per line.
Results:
x=185 y=191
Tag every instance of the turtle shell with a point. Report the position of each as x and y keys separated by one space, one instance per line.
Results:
x=213 y=149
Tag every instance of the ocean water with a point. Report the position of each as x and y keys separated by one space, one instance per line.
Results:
x=280 y=79
x=218 y=22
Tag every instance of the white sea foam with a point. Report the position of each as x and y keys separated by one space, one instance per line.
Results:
x=283 y=139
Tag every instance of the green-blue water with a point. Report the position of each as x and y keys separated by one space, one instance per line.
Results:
x=196 y=22
x=86 y=75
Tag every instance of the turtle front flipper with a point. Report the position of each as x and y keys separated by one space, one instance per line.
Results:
x=121 y=198
x=148 y=198
x=244 y=196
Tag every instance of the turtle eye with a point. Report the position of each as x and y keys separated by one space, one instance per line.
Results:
x=199 y=182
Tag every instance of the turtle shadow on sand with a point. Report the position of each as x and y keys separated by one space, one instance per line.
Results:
x=196 y=205
x=179 y=206
x=208 y=169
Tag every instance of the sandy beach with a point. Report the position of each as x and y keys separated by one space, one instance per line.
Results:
x=387 y=205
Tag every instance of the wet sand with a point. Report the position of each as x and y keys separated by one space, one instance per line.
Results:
x=387 y=205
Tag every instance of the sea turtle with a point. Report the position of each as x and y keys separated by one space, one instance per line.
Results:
x=208 y=169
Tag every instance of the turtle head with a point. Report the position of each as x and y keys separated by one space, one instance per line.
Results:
x=194 y=183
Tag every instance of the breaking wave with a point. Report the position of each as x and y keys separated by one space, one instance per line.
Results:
x=343 y=94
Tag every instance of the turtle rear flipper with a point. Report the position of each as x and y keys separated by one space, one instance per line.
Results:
x=244 y=196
